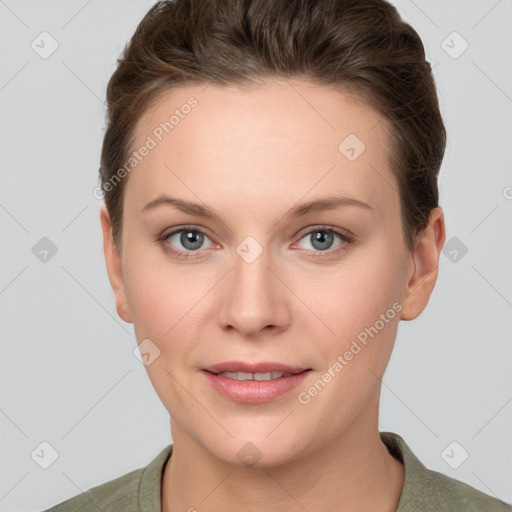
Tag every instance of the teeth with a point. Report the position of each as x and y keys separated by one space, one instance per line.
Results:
x=254 y=376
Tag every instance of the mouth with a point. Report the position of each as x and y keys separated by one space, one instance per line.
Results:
x=254 y=383
x=259 y=376
x=262 y=368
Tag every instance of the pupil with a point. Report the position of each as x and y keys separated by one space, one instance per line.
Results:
x=191 y=239
x=322 y=238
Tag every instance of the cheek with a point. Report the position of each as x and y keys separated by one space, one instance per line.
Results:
x=354 y=297
x=162 y=302
x=361 y=305
x=366 y=285
x=159 y=293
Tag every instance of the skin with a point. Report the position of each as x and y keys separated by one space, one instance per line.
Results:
x=252 y=154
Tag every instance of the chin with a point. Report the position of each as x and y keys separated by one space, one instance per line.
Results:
x=258 y=452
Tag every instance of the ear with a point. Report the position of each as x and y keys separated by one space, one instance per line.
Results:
x=425 y=262
x=114 y=267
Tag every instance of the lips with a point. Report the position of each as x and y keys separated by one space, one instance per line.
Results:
x=254 y=376
x=263 y=367
x=254 y=383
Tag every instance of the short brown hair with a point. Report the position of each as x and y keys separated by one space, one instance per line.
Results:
x=363 y=48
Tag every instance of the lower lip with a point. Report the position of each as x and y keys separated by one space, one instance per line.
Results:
x=254 y=391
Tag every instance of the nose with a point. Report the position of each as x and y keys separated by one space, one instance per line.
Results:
x=254 y=300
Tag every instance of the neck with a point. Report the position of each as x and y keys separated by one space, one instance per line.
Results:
x=352 y=472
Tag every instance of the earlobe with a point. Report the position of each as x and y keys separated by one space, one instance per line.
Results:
x=425 y=259
x=114 y=267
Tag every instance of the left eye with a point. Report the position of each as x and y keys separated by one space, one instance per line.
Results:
x=323 y=239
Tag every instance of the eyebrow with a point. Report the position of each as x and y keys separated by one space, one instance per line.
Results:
x=315 y=206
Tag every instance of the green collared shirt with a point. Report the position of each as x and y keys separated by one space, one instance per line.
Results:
x=424 y=490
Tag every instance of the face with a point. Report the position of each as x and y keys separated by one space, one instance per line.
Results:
x=265 y=227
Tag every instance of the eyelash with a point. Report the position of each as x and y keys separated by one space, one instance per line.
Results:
x=343 y=235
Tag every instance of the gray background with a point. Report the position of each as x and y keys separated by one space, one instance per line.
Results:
x=68 y=373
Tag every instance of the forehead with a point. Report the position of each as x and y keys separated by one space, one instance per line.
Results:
x=277 y=141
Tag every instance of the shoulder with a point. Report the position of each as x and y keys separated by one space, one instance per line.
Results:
x=426 y=490
x=120 y=492
x=448 y=494
x=127 y=492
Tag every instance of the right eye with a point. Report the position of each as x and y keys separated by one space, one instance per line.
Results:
x=190 y=239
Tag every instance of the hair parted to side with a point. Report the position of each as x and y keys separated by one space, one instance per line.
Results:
x=362 y=48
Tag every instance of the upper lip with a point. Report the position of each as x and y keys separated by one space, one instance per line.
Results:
x=263 y=367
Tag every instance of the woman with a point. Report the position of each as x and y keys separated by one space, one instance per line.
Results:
x=271 y=214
